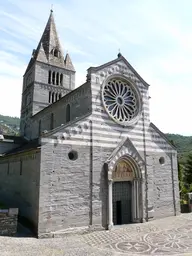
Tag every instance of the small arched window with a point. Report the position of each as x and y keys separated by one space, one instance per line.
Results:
x=53 y=78
x=56 y=96
x=52 y=121
x=53 y=95
x=56 y=53
x=61 y=79
x=68 y=113
x=49 y=78
x=60 y=96
x=49 y=97
x=57 y=79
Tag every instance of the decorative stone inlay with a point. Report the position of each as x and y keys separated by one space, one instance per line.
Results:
x=146 y=239
x=185 y=229
x=168 y=240
x=133 y=247
x=79 y=129
x=121 y=100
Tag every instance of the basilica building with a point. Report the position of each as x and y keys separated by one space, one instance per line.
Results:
x=87 y=157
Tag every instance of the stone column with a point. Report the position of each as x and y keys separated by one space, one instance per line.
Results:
x=110 y=204
x=137 y=200
x=51 y=82
x=133 y=201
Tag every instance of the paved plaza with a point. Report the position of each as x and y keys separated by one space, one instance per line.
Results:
x=169 y=236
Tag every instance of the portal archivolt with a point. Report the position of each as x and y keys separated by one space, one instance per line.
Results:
x=125 y=193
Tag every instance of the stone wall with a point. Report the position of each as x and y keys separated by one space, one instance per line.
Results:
x=163 y=194
x=19 y=184
x=100 y=187
x=64 y=188
x=42 y=72
x=80 y=105
x=8 y=222
x=26 y=103
x=75 y=193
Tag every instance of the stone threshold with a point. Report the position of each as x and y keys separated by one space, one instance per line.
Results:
x=72 y=231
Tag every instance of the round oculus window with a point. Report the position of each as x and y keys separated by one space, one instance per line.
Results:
x=73 y=155
x=121 y=101
x=162 y=160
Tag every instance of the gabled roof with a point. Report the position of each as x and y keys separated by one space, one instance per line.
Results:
x=162 y=135
x=119 y=58
x=131 y=150
x=31 y=145
x=15 y=139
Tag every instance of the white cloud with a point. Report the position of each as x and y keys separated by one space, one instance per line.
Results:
x=11 y=89
x=12 y=46
x=154 y=36
x=170 y=106
x=10 y=65
x=73 y=48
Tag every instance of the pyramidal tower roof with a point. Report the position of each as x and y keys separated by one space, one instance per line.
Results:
x=49 y=49
x=50 y=39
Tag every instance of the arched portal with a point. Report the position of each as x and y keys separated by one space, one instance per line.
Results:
x=125 y=193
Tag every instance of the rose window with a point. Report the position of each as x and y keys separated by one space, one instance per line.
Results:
x=121 y=101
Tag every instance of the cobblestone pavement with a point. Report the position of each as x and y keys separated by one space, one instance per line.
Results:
x=169 y=236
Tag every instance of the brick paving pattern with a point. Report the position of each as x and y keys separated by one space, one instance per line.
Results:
x=169 y=236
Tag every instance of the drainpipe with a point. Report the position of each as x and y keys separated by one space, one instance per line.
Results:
x=173 y=185
x=145 y=160
x=91 y=175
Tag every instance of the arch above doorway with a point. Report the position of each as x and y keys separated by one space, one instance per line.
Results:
x=127 y=152
x=125 y=191
x=125 y=169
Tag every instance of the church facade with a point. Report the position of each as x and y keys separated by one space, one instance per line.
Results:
x=87 y=157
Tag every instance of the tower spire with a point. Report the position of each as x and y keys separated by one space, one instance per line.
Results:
x=50 y=40
x=48 y=61
x=51 y=8
x=49 y=49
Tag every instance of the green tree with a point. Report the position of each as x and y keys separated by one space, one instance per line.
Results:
x=182 y=188
x=187 y=175
x=172 y=142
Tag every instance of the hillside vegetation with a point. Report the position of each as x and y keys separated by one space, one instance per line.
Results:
x=183 y=145
x=9 y=125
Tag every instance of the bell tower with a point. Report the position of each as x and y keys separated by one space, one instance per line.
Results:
x=49 y=76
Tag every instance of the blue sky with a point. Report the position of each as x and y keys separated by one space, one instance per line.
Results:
x=154 y=36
